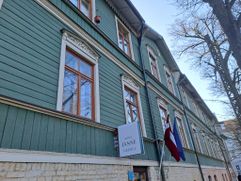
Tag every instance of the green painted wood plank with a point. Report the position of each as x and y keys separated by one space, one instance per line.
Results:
x=50 y=134
x=36 y=16
x=26 y=91
x=32 y=68
x=43 y=133
x=9 y=128
x=27 y=133
x=79 y=139
x=27 y=37
x=25 y=98
x=69 y=137
x=73 y=140
x=36 y=131
x=92 y=141
x=19 y=128
x=62 y=134
x=57 y=129
x=3 y=118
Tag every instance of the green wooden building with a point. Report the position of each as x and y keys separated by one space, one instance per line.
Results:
x=71 y=72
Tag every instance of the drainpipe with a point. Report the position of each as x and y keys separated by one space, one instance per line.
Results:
x=148 y=102
x=189 y=128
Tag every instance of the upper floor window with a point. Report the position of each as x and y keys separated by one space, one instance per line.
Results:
x=196 y=139
x=78 y=97
x=85 y=6
x=153 y=63
x=132 y=103
x=181 y=130
x=169 y=80
x=78 y=79
x=163 y=112
x=124 y=38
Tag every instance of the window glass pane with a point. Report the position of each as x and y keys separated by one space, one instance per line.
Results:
x=70 y=93
x=85 y=7
x=127 y=95
x=126 y=47
x=75 y=2
x=85 y=98
x=71 y=60
x=135 y=114
x=163 y=116
x=128 y=110
x=85 y=68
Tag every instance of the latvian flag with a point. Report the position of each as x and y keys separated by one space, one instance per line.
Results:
x=170 y=141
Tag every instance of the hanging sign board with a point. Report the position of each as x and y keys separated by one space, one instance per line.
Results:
x=130 y=139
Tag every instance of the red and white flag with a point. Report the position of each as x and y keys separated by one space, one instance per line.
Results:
x=170 y=140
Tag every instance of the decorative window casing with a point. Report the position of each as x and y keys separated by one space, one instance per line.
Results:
x=169 y=80
x=78 y=88
x=132 y=102
x=153 y=63
x=124 y=38
x=162 y=106
x=87 y=7
x=181 y=130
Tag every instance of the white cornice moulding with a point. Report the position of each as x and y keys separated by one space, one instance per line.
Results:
x=1 y=3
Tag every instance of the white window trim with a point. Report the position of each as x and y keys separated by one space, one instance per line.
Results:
x=161 y=102
x=117 y=20
x=84 y=50
x=179 y=115
x=1 y=3
x=128 y=82
x=168 y=71
x=150 y=51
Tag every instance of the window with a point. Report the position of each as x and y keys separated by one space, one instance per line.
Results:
x=153 y=63
x=163 y=112
x=169 y=80
x=209 y=178
x=124 y=38
x=181 y=131
x=132 y=102
x=78 y=97
x=85 y=6
x=185 y=98
x=140 y=174
x=205 y=143
x=78 y=92
x=196 y=139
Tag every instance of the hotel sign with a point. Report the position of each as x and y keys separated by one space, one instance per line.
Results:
x=130 y=139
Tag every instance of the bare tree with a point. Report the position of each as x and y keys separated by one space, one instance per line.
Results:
x=228 y=14
x=201 y=37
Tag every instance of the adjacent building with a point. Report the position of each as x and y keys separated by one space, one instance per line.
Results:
x=71 y=72
x=230 y=131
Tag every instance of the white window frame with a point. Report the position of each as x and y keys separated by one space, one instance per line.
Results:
x=168 y=71
x=117 y=20
x=179 y=116
x=93 y=11
x=131 y=84
x=83 y=49
x=1 y=3
x=150 y=51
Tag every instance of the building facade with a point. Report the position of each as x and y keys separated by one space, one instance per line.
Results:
x=231 y=131
x=71 y=72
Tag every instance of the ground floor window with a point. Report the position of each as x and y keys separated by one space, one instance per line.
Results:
x=140 y=174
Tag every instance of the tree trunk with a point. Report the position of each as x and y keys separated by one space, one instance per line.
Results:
x=230 y=26
x=229 y=86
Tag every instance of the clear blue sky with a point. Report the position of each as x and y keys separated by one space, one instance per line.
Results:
x=160 y=14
